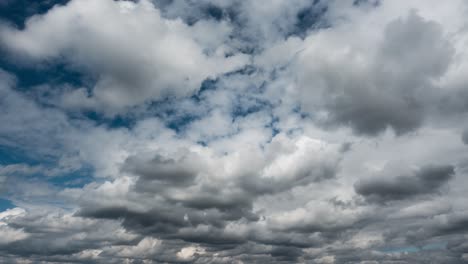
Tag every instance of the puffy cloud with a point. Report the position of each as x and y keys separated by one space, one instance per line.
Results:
x=137 y=57
x=66 y=237
x=256 y=25
x=10 y=235
x=234 y=132
x=386 y=79
x=188 y=253
x=180 y=193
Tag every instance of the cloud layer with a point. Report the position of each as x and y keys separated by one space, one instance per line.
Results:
x=233 y=132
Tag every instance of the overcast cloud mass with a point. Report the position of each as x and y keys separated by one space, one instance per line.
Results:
x=234 y=131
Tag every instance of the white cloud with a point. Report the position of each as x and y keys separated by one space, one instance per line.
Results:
x=9 y=234
x=135 y=54
x=188 y=253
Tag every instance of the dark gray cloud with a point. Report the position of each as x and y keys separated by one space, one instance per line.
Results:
x=412 y=53
x=163 y=172
x=393 y=85
x=464 y=137
x=427 y=180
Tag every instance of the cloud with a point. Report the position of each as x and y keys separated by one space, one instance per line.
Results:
x=233 y=132
x=465 y=137
x=27 y=227
x=179 y=194
x=164 y=171
x=256 y=25
x=385 y=80
x=10 y=235
x=427 y=180
x=26 y=123
x=130 y=65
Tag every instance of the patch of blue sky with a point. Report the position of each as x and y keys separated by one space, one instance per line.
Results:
x=5 y=204
x=435 y=246
x=408 y=249
x=207 y=85
x=312 y=17
x=76 y=179
x=372 y=2
x=180 y=123
x=176 y=113
x=33 y=75
x=297 y=109
x=14 y=155
x=246 y=70
x=415 y=249
x=117 y=121
x=246 y=105
x=273 y=126
x=215 y=12
x=17 y=11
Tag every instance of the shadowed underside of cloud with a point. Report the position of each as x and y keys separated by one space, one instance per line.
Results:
x=427 y=180
x=210 y=131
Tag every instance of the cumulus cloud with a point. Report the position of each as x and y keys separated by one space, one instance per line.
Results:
x=138 y=56
x=383 y=80
x=10 y=235
x=233 y=132
x=182 y=193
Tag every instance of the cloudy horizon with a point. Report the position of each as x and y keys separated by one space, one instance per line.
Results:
x=233 y=131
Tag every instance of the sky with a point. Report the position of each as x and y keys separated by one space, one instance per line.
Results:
x=234 y=131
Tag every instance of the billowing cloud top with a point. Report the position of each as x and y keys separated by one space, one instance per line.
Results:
x=183 y=131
